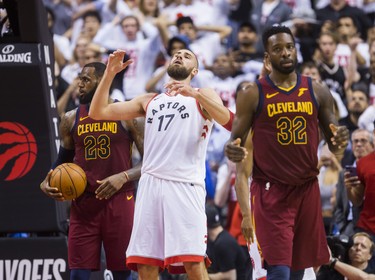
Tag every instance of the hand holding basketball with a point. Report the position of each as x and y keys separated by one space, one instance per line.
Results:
x=51 y=192
x=67 y=179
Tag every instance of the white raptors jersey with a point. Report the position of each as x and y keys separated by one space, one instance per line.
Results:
x=176 y=138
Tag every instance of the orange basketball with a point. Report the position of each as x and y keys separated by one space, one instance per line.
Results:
x=69 y=179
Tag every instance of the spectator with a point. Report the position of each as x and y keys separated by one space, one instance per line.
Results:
x=330 y=71
x=225 y=194
x=357 y=104
x=160 y=78
x=305 y=28
x=223 y=80
x=246 y=50
x=329 y=169
x=62 y=49
x=236 y=17
x=367 y=118
x=203 y=13
x=359 y=254
x=63 y=11
x=345 y=214
x=91 y=23
x=74 y=67
x=268 y=13
x=229 y=261
x=149 y=9
x=215 y=152
x=350 y=41
x=360 y=192
x=368 y=76
x=311 y=69
x=225 y=85
x=207 y=46
x=94 y=53
x=143 y=50
x=336 y=8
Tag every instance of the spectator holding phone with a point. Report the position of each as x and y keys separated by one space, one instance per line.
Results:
x=361 y=192
x=345 y=215
x=351 y=169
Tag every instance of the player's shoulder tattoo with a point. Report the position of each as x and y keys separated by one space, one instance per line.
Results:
x=67 y=120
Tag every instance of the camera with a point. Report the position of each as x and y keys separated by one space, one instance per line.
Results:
x=339 y=246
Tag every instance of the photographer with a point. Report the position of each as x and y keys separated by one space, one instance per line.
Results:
x=350 y=272
x=358 y=255
x=361 y=252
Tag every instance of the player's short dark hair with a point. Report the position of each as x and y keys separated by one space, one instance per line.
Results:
x=94 y=14
x=213 y=217
x=275 y=29
x=178 y=38
x=362 y=87
x=247 y=24
x=308 y=64
x=182 y=19
x=351 y=16
x=98 y=66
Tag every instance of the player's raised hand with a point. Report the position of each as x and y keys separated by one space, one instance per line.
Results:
x=116 y=62
x=234 y=151
x=340 y=136
x=266 y=69
x=178 y=87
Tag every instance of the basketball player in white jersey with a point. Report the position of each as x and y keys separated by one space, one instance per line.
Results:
x=170 y=225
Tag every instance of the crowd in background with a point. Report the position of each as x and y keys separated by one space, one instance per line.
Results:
x=335 y=41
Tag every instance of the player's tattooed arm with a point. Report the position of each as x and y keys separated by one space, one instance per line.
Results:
x=66 y=144
x=137 y=129
x=66 y=125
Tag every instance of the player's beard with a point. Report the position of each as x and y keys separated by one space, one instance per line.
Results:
x=87 y=97
x=284 y=70
x=178 y=72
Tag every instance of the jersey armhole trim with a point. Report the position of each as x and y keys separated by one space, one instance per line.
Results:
x=200 y=107
x=150 y=101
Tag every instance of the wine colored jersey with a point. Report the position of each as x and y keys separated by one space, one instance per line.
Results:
x=176 y=139
x=366 y=174
x=102 y=148
x=286 y=136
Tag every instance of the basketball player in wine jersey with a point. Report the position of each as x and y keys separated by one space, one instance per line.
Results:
x=103 y=214
x=284 y=111
x=170 y=225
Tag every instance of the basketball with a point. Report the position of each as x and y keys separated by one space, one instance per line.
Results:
x=69 y=179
